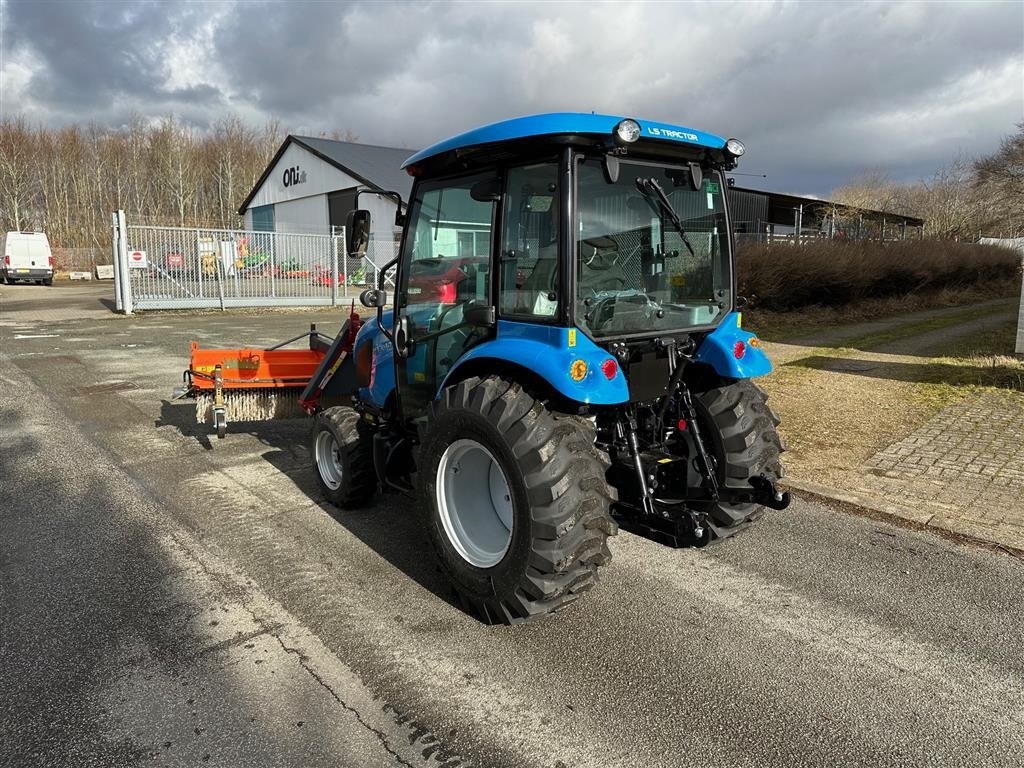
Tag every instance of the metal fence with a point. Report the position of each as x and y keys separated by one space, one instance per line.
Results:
x=198 y=267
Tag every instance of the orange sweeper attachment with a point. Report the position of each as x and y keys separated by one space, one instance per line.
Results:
x=280 y=382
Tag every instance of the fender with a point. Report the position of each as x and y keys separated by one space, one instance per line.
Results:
x=553 y=354
x=719 y=350
x=382 y=361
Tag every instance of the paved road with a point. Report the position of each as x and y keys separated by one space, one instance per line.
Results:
x=176 y=600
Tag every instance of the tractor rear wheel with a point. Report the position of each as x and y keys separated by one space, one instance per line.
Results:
x=740 y=431
x=343 y=458
x=514 y=500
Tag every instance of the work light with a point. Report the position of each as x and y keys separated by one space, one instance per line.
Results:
x=627 y=131
x=735 y=147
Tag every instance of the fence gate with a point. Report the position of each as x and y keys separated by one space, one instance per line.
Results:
x=198 y=267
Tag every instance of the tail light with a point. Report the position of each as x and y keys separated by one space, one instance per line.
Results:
x=7 y=260
x=609 y=368
x=447 y=293
x=49 y=260
x=739 y=349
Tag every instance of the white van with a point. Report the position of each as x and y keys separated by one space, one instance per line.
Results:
x=27 y=256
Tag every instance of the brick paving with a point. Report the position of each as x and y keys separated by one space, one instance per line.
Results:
x=965 y=466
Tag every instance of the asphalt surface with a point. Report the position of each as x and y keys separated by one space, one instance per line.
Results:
x=172 y=599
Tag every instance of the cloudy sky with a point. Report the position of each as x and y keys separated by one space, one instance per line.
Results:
x=818 y=91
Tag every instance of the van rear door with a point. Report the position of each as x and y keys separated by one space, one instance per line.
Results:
x=27 y=256
x=39 y=252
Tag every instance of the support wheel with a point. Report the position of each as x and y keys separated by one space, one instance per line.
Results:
x=740 y=430
x=343 y=459
x=220 y=423
x=514 y=500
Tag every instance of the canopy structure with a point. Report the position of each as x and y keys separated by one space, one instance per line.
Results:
x=766 y=216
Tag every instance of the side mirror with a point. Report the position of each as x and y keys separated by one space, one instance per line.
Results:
x=357 y=233
x=373 y=299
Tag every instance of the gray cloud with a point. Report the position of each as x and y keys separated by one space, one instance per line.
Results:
x=819 y=91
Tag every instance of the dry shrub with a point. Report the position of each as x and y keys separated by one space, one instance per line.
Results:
x=833 y=273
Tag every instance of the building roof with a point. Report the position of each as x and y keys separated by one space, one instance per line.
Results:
x=562 y=123
x=379 y=168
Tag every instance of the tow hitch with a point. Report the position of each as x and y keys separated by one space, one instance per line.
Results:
x=767 y=494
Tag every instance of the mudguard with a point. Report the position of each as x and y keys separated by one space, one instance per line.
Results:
x=382 y=360
x=553 y=354
x=720 y=348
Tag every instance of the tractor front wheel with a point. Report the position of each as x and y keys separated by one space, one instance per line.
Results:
x=343 y=458
x=740 y=429
x=514 y=500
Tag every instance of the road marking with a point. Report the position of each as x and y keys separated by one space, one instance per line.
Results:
x=37 y=335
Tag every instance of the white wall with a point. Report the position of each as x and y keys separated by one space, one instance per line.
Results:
x=303 y=207
x=321 y=177
x=306 y=214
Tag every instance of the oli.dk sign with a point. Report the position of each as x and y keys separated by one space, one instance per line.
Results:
x=293 y=176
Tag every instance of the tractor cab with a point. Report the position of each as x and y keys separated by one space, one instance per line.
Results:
x=594 y=234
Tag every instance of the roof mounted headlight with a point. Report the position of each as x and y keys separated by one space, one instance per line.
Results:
x=735 y=147
x=627 y=131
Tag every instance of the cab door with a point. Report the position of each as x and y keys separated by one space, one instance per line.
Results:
x=445 y=269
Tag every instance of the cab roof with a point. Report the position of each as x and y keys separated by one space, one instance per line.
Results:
x=565 y=124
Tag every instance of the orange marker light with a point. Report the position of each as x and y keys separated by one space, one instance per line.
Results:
x=578 y=370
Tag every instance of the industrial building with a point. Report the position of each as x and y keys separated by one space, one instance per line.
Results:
x=311 y=184
x=770 y=216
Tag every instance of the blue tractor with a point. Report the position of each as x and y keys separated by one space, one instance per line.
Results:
x=563 y=354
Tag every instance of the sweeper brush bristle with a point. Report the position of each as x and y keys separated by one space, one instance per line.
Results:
x=252 y=405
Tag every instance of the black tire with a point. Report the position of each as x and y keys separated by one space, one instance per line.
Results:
x=355 y=482
x=560 y=500
x=48 y=281
x=739 y=429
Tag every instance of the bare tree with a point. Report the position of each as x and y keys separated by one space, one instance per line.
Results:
x=1000 y=181
x=16 y=178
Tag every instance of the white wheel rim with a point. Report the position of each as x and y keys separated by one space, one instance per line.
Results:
x=328 y=459
x=474 y=502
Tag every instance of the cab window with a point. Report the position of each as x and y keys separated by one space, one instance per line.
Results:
x=529 y=243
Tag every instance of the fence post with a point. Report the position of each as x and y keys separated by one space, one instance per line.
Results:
x=1019 y=348
x=344 y=259
x=220 y=269
x=334 y=271
x=273 y=264
x=199 y=265
x=116 y=261
x=126 y=279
